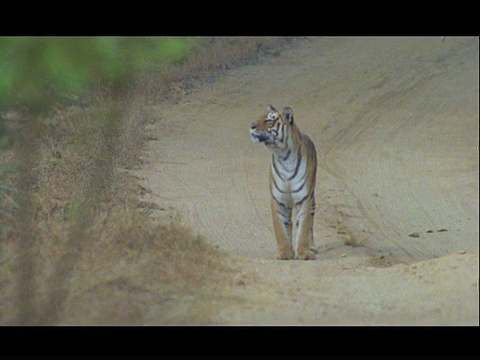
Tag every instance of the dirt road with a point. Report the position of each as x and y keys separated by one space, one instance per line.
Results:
x=395 y=123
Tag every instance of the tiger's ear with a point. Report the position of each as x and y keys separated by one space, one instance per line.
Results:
x=288 y=115
x=270 y=108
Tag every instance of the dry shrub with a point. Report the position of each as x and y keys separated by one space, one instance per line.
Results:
x=129 y=271
x=136 y=273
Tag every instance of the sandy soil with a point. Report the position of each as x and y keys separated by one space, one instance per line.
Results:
x=395 y=123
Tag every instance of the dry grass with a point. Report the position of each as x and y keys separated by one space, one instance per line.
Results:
x=129 y=271
x=212 y=57
x=76 y=247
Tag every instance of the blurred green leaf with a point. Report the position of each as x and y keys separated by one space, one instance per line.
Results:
x=174 y=49
x=64 y=66
x=37 y=70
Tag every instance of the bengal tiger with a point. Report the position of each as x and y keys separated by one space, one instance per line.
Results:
x=292 y=181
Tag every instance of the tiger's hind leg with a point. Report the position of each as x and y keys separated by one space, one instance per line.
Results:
x=306 y=249
x=282 y=226
x=311 y=243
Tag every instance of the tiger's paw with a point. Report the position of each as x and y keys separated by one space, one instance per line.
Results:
x=314 y=250
x=287 y=254
x=306 y=255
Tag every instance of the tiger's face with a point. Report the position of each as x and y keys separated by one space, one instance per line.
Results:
x=269 y=129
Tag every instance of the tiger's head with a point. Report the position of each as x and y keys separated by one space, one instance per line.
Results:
x=270 y=130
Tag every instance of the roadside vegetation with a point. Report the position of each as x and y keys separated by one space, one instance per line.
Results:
x=76 y=244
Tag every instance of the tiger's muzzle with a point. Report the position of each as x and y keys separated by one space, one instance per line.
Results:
x=259 y=137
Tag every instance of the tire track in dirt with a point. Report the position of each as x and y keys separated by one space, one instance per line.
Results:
x=420 y=194
x=363 y=139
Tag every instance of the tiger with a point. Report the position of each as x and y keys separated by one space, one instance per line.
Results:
x=292 y=181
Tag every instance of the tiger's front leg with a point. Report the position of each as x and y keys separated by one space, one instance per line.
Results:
x=306 y=249
x=282 y=225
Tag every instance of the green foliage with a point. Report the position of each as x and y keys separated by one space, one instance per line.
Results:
x=3 y=131
x=6 y=189
x=36 y=70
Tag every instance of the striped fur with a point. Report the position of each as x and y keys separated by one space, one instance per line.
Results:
x=292 y=181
